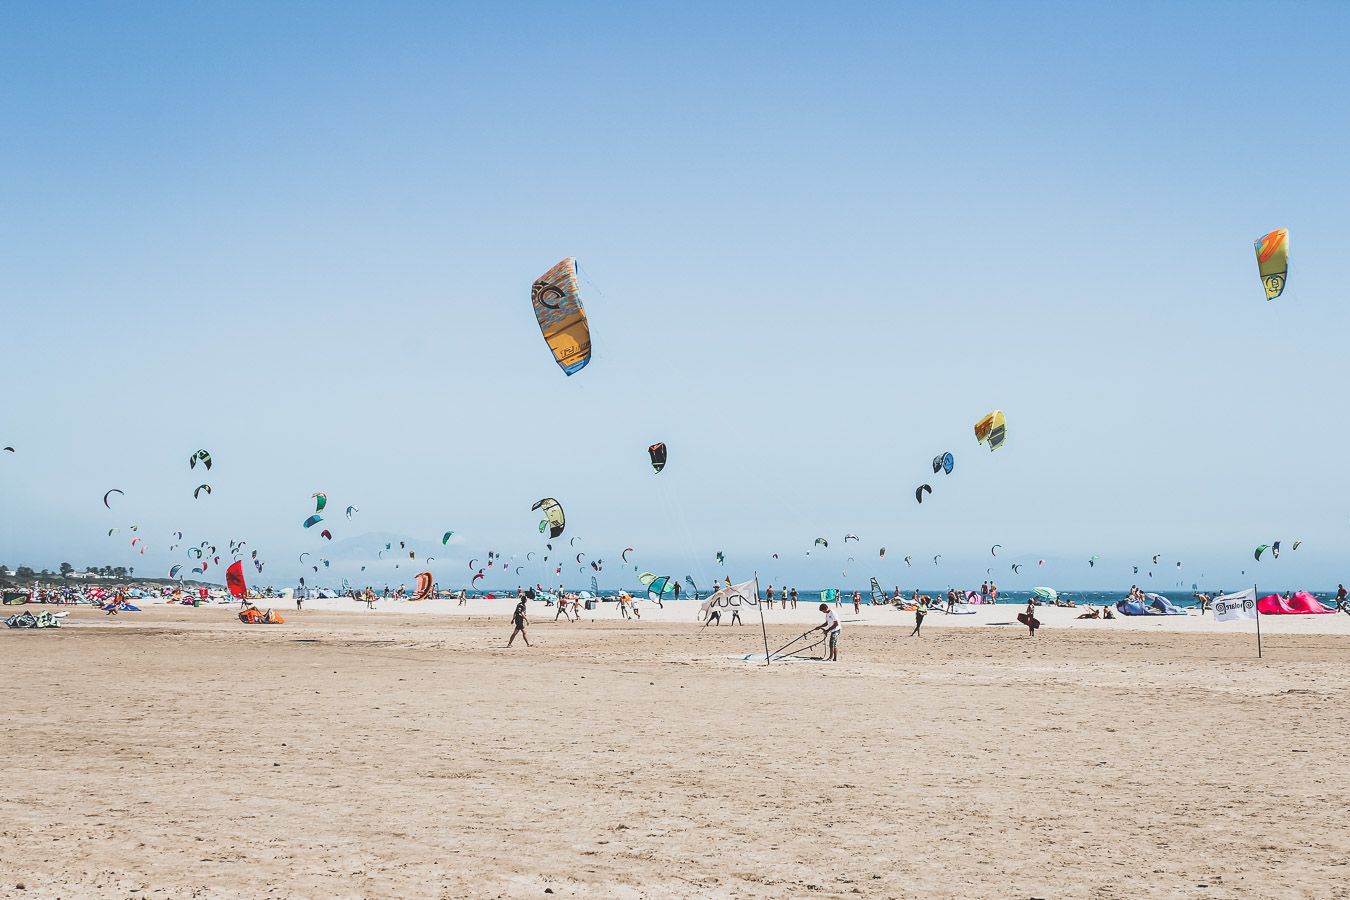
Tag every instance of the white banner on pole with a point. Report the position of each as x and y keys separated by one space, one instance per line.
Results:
x=743 y=596
x=1241 y=605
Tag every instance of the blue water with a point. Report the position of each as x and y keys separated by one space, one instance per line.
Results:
x=1080 y=598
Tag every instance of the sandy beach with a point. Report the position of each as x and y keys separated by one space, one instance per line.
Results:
x=177 y=752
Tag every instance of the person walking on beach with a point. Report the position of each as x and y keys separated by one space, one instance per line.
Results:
x=919 y=613
x=562 y=611
x=518 y=622
x=1341 y=602
x=830 y=627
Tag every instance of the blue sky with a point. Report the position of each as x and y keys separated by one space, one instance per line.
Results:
x=819 y=241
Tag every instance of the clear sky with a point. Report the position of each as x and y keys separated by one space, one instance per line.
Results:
x=820 y=241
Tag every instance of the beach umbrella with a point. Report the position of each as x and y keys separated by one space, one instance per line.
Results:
x=1046 y=593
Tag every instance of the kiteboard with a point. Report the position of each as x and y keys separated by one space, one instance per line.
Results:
x=1031 y=621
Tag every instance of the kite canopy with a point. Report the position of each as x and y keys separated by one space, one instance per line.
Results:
x=821 y=542
x=445 y=538
x=994 y=427
x=110 y=493
x=948 y=463
x=919 y=491
x=562 y=320
x=200 y=488
x=1272 y=258
x=201 y=455
x=554 y=518
x=423 y=586
x=657 y=452
x=320 y=500
x=352 y=510
x=314 y=520
x=994 y=548
x=234 y=580
x=1261 y=549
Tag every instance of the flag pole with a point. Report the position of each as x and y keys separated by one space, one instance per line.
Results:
x=1258 y=623
x=762 y=629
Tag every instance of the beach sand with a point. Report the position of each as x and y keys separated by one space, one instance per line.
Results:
x=176 y=752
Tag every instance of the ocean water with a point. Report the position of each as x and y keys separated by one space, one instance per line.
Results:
x=1179 y=597
x=1080 y=598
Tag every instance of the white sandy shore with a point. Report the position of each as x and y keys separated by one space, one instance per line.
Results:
x=807 y=614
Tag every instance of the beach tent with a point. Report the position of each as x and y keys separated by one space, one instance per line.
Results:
x=1301 y=604
x=1161 y=606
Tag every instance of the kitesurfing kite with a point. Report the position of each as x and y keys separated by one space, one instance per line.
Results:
x=1092 y=560
x=907 y=560
x=1272 y=258
x=994 y=427
x=445 y=538
x=658 y=454
x=316 y=519
x=1016 y=568
x=1275 y=549
x=200 y=488
x=562 y=320
x=1261 y=549
x=201 y=455
x=326 y=534
x=821 y=542
x=850 y=537
x=995 y=548
x=918 y=491
x=721 y=558
x=320 y=500
x=624 y=555
x=553 y=516
x=944 y=462
x=423 y=586
x=352 y=510
x=110 y=493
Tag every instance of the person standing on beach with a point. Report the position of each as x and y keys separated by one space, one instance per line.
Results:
x=857 y=603
x=918 y=620
x=299 y=600
x=518 y=623
x=1341 y=603
x=1031 y=617
x=768 y=597
x=794 y=598
x=562 y=611
x=830 y=627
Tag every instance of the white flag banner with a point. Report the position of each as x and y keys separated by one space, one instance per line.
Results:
x=1241 y=605
x=743 y=596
